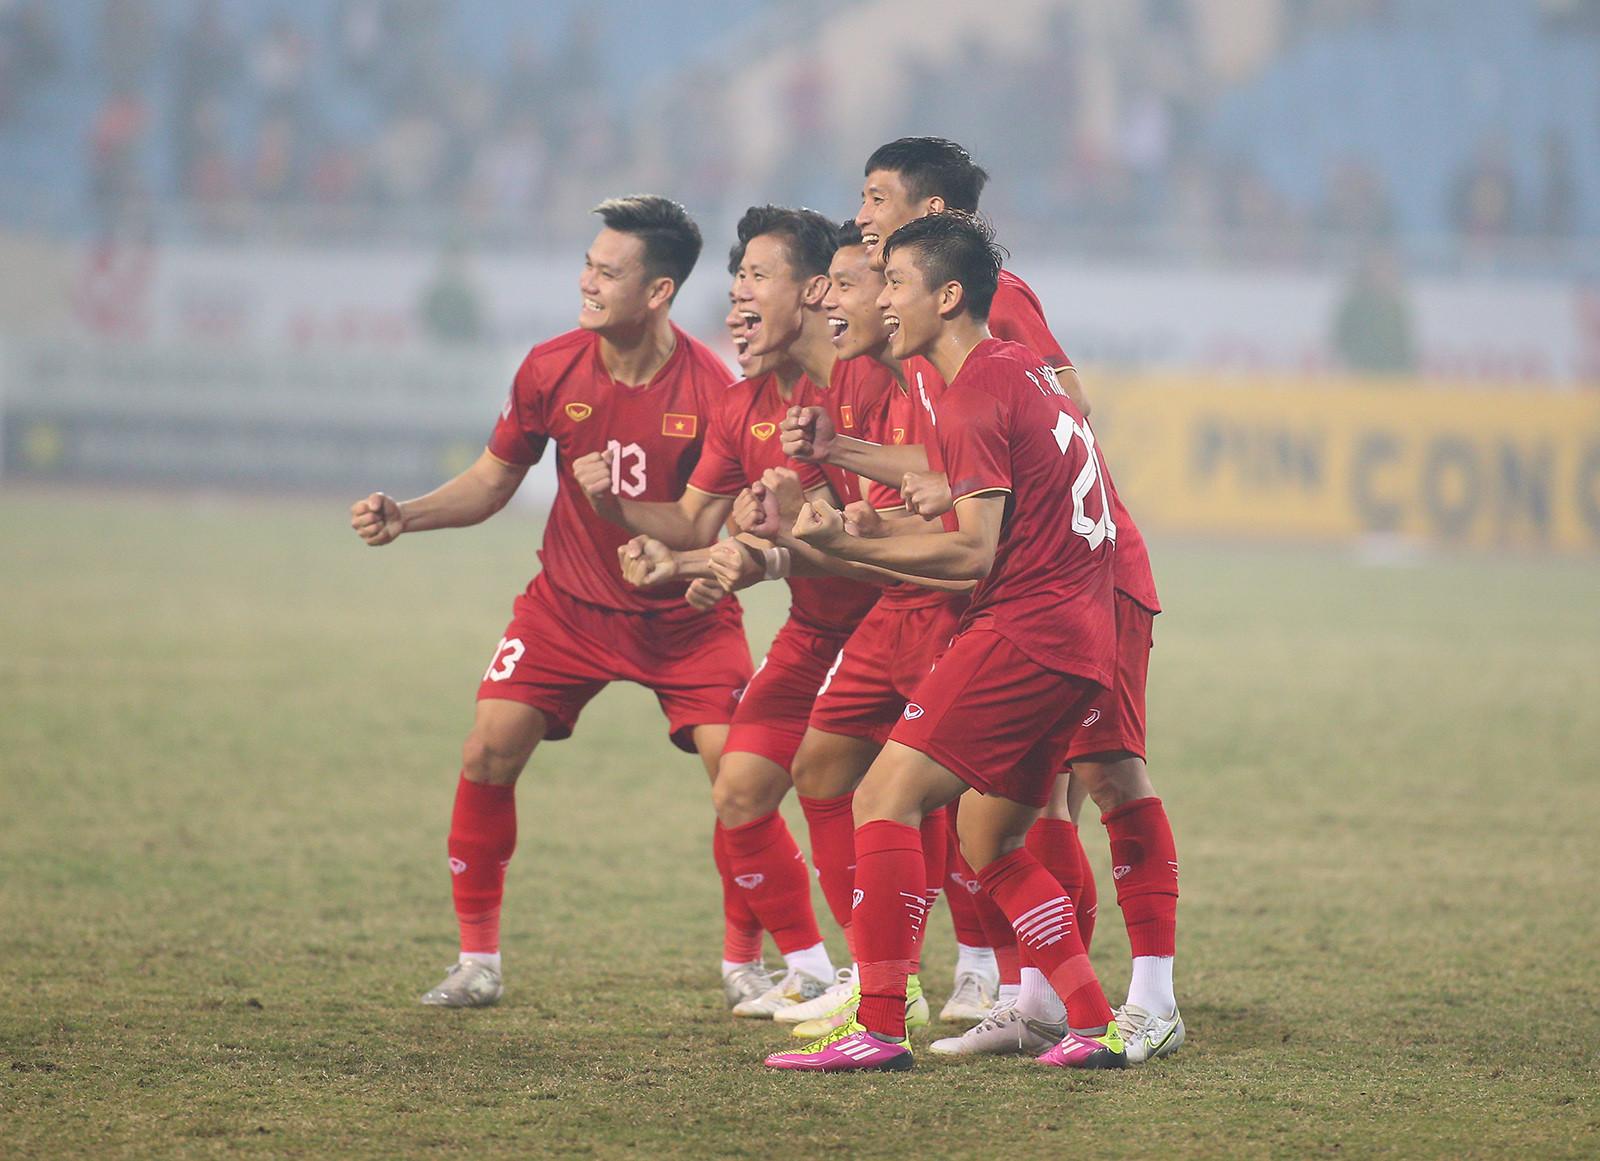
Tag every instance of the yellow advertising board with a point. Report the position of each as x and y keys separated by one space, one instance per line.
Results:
x=1334 y=459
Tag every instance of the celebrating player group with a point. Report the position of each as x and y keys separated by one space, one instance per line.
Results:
x=968 y=639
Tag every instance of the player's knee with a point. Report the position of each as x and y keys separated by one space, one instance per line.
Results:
x=1114 y=779
x=487 y=759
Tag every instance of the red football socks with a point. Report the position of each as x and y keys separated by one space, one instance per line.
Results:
x=935 y=850
x=1057 y=846
x=833 y=850
x=1144 y=863
x=891 y=881
x=1045 y=925
x=768 y=868
x=483 y=834
x=741 y=930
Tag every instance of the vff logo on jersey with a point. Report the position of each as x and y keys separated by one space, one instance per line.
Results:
x=913 y=711
x=578 y=412
x=763 y=431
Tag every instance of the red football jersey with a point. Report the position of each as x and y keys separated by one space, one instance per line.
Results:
x=1016 y=316
x=563 y=392
x=1006 y=424
x=909 y=419
x=741 y=443
x=858 y=391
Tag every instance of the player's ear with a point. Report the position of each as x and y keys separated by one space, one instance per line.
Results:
x=934 y=205
x=816 y=289
x=660 y=293
x=952 y=299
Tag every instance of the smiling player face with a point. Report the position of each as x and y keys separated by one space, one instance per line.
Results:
x=770 y=295
x=749 y=365
x=911 y=310
x=852 y=305
x=614 y=284
x=886 y=205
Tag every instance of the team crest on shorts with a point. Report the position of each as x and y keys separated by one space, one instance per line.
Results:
x=855 y=898
x=457 y=865
x=913 y=711
x=749 y=882
x=578 y=412
x=763 y=431
x=1094 y=716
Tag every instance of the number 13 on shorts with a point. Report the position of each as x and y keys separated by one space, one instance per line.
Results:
x=506 y=656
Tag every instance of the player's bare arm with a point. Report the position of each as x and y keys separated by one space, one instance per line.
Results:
x=471 y=498
x=966 y=554
x=647 y=562
x=808 y=435
x=1073 y=386
x=692 y=521
x=926 y=494
x=780 y=492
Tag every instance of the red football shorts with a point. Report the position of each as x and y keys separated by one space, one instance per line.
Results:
x=1115 y=721
x=558 y=652
x=883 y=661
x=998 y=721
x=772 y=714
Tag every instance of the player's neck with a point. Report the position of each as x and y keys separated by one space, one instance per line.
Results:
x=955 y=342
x=883 y=358
x=787 y=375
x=813 y=350
x=634 y=357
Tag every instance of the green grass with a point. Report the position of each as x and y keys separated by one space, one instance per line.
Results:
x=228 y=742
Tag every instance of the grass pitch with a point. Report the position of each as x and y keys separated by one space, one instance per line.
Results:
x=228 y=739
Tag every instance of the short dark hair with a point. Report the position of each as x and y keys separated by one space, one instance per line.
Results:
x=849 y=234
x=671 y=239
x=933 y=167
x=809 y=238
x=954 y=247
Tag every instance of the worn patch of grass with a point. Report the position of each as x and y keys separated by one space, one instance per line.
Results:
x=228 y=735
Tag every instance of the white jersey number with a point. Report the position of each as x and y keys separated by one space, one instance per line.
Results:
x=506 y=656
x=1096 y=532
x=631 y=484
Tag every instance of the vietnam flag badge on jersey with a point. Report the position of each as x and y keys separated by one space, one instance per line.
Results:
x=847 y=415
x=683 y=426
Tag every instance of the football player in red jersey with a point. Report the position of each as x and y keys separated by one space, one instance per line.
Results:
x=1035 y=647
x=780 y=285
x=627 y=380
x=867 y=685
x=906 y=179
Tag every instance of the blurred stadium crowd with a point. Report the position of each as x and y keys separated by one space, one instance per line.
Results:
x=1465 y=131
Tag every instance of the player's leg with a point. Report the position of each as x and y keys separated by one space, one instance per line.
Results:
x=827 y=768
x=1108 y=754
x=976 y=981
x=1145 y=860
x=1055 y=842
x=993 y=831
x=768 y=869
x=901 y=789
x=743 y=973
x=483 y=835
